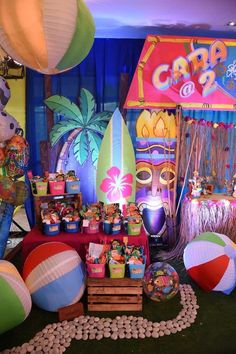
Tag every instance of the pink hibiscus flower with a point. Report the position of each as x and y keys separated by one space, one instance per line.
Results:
x=117 y=186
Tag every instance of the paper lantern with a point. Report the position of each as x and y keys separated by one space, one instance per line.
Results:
x=160 y=281
x=54 y=275
x=210 y=261
x=15 y=300
x=49 y=36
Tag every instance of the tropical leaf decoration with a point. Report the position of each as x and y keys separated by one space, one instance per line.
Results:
x=63 y=106
x=89 y=127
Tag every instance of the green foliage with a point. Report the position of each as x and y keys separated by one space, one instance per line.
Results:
x=94 y=143
x=87 y=105
x=60 y=129
x=92 y=125
x=81 y=147
x=65 y=107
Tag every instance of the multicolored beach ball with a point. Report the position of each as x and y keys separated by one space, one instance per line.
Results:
x=210 y=261
x=55 y=276
x=15 y=300
x=160 y=281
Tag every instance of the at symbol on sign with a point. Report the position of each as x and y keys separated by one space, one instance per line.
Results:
x=187 y=89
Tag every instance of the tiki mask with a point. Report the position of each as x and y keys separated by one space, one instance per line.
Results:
x=155 y=167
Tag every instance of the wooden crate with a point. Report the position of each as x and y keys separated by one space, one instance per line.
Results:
x=108 y=294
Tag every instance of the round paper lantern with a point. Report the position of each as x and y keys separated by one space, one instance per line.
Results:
x=210 y=261
x=160 y=281
x=4 y=93
x=15 y=300
x=49 y=36
x=54 y=275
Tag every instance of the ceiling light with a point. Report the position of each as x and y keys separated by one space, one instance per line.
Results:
x=231 y=23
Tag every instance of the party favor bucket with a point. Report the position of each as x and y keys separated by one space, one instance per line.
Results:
x=51 y=229
x=96 y=270
x=92 y=228
x=117 y=270
x=134 y=229
x=72 y=186
x=71 y=226
x=41 y=188
x=57 y=188
x=137 y=270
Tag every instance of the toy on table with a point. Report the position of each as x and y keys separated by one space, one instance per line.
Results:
x=96 y=259
x=51 y=221
x=72 y=182
x=132 y=219
x=116 y=260
x=112 y=219
x=196 y=185
x=91 y=215
x=136 y=261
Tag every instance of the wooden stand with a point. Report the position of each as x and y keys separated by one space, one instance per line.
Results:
x=42 y=199
x=70 y=312
x=109 y=294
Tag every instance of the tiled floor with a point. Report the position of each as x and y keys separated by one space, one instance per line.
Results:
x=21 y=219
x=15 y=236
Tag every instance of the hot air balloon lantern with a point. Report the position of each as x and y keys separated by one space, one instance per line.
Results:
x=48 y=36
x=210 y=261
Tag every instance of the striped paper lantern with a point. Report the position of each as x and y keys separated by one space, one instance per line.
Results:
x=54 y=275
x=210 y=261
x=15 y=300
x=49 y=36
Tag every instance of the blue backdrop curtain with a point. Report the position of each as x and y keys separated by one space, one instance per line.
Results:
x=99 y=73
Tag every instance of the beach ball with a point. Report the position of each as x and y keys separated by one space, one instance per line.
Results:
x=54 y=275
x=4 y=93
x=160 y=281
x=210 y=261
x=49 y=36
x=15 y=300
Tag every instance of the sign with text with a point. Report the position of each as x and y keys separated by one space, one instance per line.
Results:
x=194 y=72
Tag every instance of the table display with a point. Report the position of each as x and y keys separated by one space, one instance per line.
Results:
x=216 y=212
x=39 y=200
x=80 y=241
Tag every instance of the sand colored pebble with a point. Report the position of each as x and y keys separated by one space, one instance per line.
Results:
x=56 y=338
x=155 y=334
x=30 y=348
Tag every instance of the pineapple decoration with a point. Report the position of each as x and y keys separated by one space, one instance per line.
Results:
x=16 y=155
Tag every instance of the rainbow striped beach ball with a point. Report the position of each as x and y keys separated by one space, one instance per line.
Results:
x=55 y=276
x=15 y=300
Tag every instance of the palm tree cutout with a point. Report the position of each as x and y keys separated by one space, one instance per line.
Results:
x=86 y=128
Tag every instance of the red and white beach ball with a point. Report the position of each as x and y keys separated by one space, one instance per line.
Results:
x=15 y=300
x=55 y=275
x=210 y=261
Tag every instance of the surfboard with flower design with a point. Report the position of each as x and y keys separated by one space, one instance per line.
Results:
x=116 y=169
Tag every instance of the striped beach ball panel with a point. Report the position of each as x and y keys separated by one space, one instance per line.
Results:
x=55 y=275
x=15 y=300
